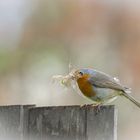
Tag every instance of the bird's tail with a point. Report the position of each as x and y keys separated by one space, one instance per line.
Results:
x=126 y=94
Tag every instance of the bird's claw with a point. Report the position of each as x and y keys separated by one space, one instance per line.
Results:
x=97 y=109
x=86 y=105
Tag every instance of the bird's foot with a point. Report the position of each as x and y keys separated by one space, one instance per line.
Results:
x=86 y=105
x=97 y=109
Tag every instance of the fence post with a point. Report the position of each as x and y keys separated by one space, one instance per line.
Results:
x=27 y=122
x=72 y=123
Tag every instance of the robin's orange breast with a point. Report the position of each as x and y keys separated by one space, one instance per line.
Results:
x=85 y=87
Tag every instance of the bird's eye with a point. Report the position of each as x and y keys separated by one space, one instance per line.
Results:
x=81 y=73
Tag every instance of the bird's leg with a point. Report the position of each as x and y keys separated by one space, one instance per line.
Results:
x=97 y=108
x=87 y=105
x=90 y=105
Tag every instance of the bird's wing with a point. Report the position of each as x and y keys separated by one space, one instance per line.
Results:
x=102 y=80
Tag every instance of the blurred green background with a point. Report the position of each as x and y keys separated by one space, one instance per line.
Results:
x=38 y=39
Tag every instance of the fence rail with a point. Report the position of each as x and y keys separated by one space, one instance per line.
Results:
x=27 y=122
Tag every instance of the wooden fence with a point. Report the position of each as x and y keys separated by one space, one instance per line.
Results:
x=27 y=122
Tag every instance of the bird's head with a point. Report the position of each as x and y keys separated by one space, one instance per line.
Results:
x=82 y=73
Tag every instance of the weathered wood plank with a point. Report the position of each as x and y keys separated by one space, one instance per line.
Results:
x=72 y=123
x=57 y=123
x=13 y=122
x=101 y=125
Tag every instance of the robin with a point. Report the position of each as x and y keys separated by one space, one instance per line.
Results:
x=100 y=87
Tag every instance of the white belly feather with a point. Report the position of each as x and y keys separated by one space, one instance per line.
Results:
x=104 y=95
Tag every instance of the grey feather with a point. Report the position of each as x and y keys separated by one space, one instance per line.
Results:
x=103 y=80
